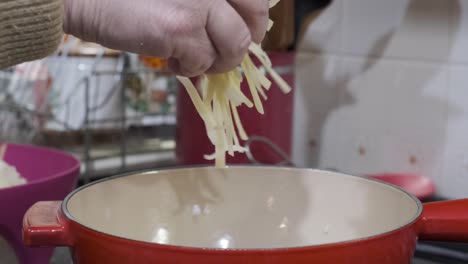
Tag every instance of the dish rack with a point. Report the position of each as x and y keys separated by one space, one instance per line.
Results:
x=112 y=111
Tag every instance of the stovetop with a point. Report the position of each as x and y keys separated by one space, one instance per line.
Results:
x=424 y=261
x=442 y=252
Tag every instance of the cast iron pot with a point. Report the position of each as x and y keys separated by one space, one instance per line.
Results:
x=242 y=215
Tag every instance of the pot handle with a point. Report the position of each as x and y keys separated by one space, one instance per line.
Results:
x=44 y=225
x=445 y=221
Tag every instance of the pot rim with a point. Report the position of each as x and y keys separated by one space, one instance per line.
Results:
x=173 y=247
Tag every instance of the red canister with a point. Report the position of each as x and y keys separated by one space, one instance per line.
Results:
x=275 y=124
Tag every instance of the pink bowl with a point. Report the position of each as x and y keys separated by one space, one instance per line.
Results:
x=51 y=175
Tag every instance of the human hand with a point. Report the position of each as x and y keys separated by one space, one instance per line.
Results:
x=197 y=36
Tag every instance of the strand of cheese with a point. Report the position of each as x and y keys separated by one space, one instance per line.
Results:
x=219 y=95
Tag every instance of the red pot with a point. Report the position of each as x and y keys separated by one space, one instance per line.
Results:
x=275 y=124
x=242 y=215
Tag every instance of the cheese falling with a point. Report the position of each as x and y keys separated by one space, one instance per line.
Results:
x=219 y=95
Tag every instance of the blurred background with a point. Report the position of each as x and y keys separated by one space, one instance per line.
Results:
x=115 y=111
x=382 y=87
x=379 y=87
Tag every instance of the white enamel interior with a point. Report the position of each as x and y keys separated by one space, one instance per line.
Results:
x=242 y=207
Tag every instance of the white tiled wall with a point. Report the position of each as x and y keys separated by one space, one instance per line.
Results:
x=382 y=86
x=459 y=31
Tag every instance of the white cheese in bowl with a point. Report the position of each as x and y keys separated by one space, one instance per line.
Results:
x=9 y=176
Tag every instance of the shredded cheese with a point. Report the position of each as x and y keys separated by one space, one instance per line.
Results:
x=219 y=95
x=273 y=3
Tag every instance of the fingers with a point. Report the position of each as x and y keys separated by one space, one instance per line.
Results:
x=255 y=15
x=229 y=35
x=194 y=57
x=184 y=24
